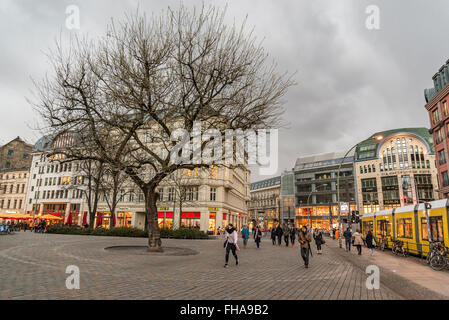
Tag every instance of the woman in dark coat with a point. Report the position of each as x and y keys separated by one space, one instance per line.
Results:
x=318 y=236
x=369 y=241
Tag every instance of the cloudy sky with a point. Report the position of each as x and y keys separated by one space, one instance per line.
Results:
x=352 y=81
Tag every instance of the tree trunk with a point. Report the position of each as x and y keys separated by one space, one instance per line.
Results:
x=154 y=235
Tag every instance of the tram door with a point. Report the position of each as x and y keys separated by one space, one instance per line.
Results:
x=383 y=229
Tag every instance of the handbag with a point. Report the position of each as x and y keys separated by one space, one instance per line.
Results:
x=225 y=243
x=322 y=241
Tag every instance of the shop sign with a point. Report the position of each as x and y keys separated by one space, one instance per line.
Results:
x=344 y=207
x=213 y=209
x=164 y=209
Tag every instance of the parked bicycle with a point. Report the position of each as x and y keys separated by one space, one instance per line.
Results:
x=437 y=257
x=382 y=243
x=435 y=248
x=398 y=248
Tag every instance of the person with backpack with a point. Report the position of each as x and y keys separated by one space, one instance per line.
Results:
x=348 y=238
x=231 y=244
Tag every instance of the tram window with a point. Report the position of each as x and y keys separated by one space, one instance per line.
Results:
x=383 y=228
x=405 y=228
x=436 y=226
x=366 y=226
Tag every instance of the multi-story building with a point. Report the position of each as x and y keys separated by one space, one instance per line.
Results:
x=316 y=188
x=264 y=206
x=15 y=154
x=437 y=100
x=395 y=170
x=13 y=184
x=288 y=213
x=211 y=197
x=54 y=188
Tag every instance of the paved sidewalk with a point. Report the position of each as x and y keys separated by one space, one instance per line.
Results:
x=409 y=269
x=33 y=267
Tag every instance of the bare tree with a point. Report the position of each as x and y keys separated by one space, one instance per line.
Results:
x=113 y=181
x=125 y=94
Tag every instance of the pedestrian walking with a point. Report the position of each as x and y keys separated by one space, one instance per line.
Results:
x=258 y=236
x=304 y=239
x=370 y=241
x=333 y=233
x=231 y=244
x=286 y=235
x=279 y=233
x=293 y=232
x=318 y=237
x=348 y=238
x=358 y=241
x=245 y=235
x=273 y=235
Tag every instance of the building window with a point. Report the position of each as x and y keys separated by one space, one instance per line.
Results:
x=445 y=108
x=10 y=153
x=435 y=116
x=161 y=194
x=441 y=157
x=171 y=194
x=438 y=136
x=213 y=194
x=445 y=179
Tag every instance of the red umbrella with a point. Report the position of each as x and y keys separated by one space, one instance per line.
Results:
x=99 y=219
x=84 y=218
x=69 y=219
x=113 y=219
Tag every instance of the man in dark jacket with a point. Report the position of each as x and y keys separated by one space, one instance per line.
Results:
x=348 y=238
x=279 y=233
x=273 y=235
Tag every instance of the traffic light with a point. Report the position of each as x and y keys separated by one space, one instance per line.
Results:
x=357 y=217
x=353 y=216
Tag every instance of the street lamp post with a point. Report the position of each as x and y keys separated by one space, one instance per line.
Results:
x=378 y=138
x=308 y=198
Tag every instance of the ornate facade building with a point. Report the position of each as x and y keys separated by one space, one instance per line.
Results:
x=395 y=168
x=211 y=198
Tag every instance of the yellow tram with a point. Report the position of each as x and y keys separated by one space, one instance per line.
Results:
x=409 y=224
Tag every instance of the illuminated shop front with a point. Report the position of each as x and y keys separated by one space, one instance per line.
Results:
x=225 y=220
x=321 y=217
x=165 y=220
x=212 y=222
x=190 y=219
x=124 y=219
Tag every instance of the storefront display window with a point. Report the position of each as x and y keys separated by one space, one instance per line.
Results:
x=212 y=216
x=190 y=219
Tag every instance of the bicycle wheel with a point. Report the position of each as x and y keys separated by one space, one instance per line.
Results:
x=437 y=262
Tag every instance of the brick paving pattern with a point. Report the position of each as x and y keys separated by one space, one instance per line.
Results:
x=33 y=267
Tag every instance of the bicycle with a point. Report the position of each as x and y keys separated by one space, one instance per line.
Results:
x=398 y=248
x=439 y=260
x=435 y=248
x=383 y=243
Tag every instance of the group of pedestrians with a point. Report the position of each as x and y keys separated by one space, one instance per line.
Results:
x=358 y=240
x=286 y=233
